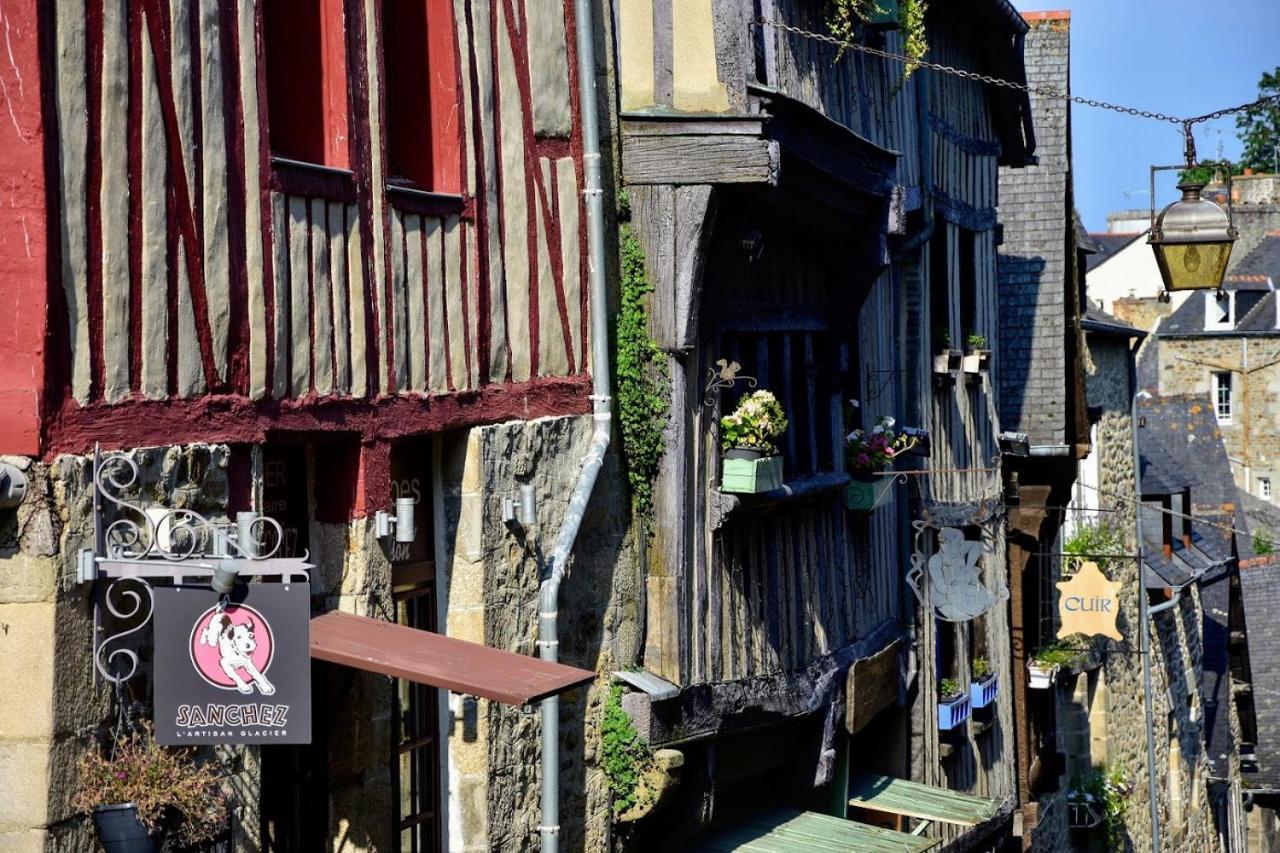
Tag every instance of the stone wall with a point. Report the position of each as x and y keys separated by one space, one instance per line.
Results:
x=1252 y=437
x=492 y=595
x=1118 y=737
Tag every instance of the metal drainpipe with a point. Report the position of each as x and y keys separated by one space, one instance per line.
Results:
x=1143 y=616
x=553 y=574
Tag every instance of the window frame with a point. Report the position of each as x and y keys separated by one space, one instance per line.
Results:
x=333 y=72
x=437 y=100
x=1213 y=306
x=1222 y=380
x=1264 y=487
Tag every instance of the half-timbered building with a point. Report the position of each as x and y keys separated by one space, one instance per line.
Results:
x=828 y=224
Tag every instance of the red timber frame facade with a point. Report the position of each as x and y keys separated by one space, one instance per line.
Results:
x=196 y=287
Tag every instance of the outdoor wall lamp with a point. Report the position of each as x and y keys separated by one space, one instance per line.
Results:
x=13 y=486
x=401 y=523
x=1192 y=237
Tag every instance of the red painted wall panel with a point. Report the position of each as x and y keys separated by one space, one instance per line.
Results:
x=24 y=265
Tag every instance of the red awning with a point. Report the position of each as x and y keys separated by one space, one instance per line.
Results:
x=439 y=661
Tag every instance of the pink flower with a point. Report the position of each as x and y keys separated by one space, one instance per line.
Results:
x=862 y=459
x=122 y=775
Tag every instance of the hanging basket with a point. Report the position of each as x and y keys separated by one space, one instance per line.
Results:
x=883 y=16
x=120 y=830
x=748 y=472
x=1040 y=676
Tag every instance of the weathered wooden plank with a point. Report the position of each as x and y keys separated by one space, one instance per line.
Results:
x=154 y=225
x=73 y=142
x=336 y=229
x=114 y=200
x=694 y=220
x=280 y=295
x=553 y=347
x=190 y=367
x=433 y=277
x=571 y=257
x=299 y=340
x=415 y=336
x=321 y=298
x=358 y=306
x=496 y=344
x=515 y=214
x=255 y=261
x=654 y=222
x=381 y=211
x=397 y=313
x=548 y=59
x=811 y=399
x=453 y=286
x=728 y=159
x=214 y=200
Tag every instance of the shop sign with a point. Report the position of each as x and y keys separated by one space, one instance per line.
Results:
x=233 y=672
x=1088 y=604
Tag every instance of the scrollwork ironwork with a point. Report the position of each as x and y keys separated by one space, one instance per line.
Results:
x=124 y=605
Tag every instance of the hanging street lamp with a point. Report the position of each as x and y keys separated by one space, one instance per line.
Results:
x=1192 y=237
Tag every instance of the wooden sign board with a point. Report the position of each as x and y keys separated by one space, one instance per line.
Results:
x=872 y=686
x=1089 y=604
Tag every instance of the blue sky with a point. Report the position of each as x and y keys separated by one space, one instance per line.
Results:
x=1178 y=57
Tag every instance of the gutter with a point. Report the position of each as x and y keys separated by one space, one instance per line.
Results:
x=554 y=570
x=1144 y=617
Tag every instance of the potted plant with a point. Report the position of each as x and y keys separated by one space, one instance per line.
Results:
x=1045 y=663
x=953 y=704
x=137 y=791
x=751 y=462
x=868 y=453
x=983 y=687
x=976 y=354
x=945 y=359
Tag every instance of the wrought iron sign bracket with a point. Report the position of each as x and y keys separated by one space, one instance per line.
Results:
x=142 y=545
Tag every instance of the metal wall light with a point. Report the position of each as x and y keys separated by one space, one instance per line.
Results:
x=384 y=523
x=1192 y=237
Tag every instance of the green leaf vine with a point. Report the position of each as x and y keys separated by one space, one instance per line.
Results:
x=624 y=756
x=845 y=17
x=643 y=381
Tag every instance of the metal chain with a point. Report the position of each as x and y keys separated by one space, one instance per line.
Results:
x=1042 y=91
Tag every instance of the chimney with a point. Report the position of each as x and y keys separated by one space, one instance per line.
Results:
x=1166 y=532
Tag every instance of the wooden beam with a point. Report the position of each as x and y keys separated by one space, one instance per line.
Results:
x=699 y=159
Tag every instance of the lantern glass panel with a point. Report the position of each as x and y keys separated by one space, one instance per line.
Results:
x=1192 y=266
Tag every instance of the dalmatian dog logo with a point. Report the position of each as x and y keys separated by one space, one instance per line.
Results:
x=232 y=649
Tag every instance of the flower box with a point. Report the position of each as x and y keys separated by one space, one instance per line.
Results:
x=976 y=360
x=983 y=691
x=883 y=15
x=864 y=494
x=1040 y=675
x=946 y=362
x=743 y=474
x=954 y=711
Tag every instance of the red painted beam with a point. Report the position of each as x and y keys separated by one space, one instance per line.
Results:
x=234 y=419
x=24 y=254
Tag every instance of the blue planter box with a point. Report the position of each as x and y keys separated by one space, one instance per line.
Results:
x=982 y=693
x=864 y=494
x=953 y=712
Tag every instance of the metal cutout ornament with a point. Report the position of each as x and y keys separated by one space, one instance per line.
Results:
x=956 y=590
x=1088 y=604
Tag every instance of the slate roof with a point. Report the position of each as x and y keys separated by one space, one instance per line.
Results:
x=1263 y=260
x=1099 y=321
x=1108 y=244
x=1255 y=312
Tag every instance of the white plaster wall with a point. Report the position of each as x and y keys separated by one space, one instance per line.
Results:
x=1131 y=272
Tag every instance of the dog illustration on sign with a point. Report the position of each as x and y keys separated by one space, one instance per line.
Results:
x=236 y=644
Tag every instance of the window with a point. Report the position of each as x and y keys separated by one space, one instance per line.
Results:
x=1264 y=488
x=1219 y=312
x=304 y=46
x=421 y=95
x=1222 y=396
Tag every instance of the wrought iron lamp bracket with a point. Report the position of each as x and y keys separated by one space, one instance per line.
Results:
x=144 y=545
x=724 y=375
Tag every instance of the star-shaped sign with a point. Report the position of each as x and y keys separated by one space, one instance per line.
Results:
x=1089 y=604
